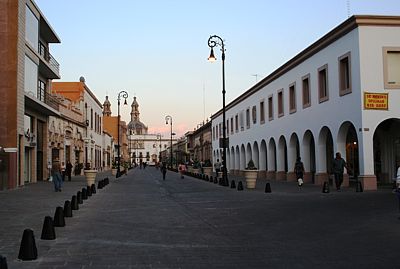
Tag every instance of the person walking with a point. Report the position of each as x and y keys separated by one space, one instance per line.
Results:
x=182 y=169
x=299 y=171
x=62 y=171
x=68 y=170
x=338 y=166
x=217 y=167
x=56 y=174
x=164 y=170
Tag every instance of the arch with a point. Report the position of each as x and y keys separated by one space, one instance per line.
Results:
x=347 y=145
x=237 y=158
x=232 y=159
x=308 y=156
x=242 y=158
x=249 y=154
x=386 y=150
x=325 y=155
x=263 y=156
x=293 y=153
x=271 y=159
x=282 y=164
x=256 y=155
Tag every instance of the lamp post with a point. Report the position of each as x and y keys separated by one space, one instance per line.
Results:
x=122 y=94
x=169 y=118
x=214 y=41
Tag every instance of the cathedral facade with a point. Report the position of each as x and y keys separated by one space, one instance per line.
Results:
x=142 y=146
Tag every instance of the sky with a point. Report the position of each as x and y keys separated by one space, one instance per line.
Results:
x=157 y=50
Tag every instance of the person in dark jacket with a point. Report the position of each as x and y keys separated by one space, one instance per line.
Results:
x=164 y=170
x=338 y=166
x=68 y=170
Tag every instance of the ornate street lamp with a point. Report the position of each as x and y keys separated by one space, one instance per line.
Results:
x=122 y=94
x=169 y=118
x=214 y=41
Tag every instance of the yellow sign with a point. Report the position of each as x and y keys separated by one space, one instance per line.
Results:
x=379 y=101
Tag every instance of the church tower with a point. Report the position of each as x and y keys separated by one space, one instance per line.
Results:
x=135 y=110
x=135 y=125
x=107 y=108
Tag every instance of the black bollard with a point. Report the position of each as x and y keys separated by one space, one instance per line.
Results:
x=74 y=203
x=211 y=179
x=106 y=181
x=325 y=188
x=215 y=180
x=28 y=250
x=233 y=184
x=93 y=188
x=220 y=182
x=359 y=187
x=100 y=185
x=84 y=194
x=3 y=262
x=207 y=178
x=240 y=186
x=88 y=191
x=67 y=209
x=48 y=231
x=59 y=220
x=79 y=197
x=267 y=187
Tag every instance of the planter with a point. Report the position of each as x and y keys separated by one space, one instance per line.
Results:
x=114 y=171
x=90 y=176
x=196 y=170
x=208 y=171
x=251 y=177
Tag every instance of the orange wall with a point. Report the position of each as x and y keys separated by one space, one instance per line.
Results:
x=70 y=90
x=110 y=126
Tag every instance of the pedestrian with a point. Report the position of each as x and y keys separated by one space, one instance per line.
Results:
x=56 y=174
x=182 y=169
x=396 y=181
x=68 y=170
x=338 y=166
x=299 y=171
x=217 y=167
x=164 y=170
x=62 y=171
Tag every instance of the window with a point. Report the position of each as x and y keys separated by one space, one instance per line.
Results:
x=31 y=29
x=391 y=67
x=280 y=103
x=236 y=123
x=262 y=112
x=292 y=98
x=323 y=83
x=306 y=91
x=91 y=118
x=220 y=130
x=41 y=93
x=254 y=114
x=248 y=118
x=270 y=108
x=344 y=74
x=31 y=76
x=227 y=127
x=216 y=132
x=241 y=121
x=232 y=125
x=213 y=133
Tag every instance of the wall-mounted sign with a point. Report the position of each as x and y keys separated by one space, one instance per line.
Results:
x=379 y=101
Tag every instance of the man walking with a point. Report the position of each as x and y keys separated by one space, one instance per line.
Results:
x=68 y=170
x=338 y=169
x=56 y=174
x=217 y=167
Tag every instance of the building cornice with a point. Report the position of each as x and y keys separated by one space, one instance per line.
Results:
x=335 y=34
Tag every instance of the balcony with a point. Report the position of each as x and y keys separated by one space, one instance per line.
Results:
x=48 y=66
x=43 y=102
